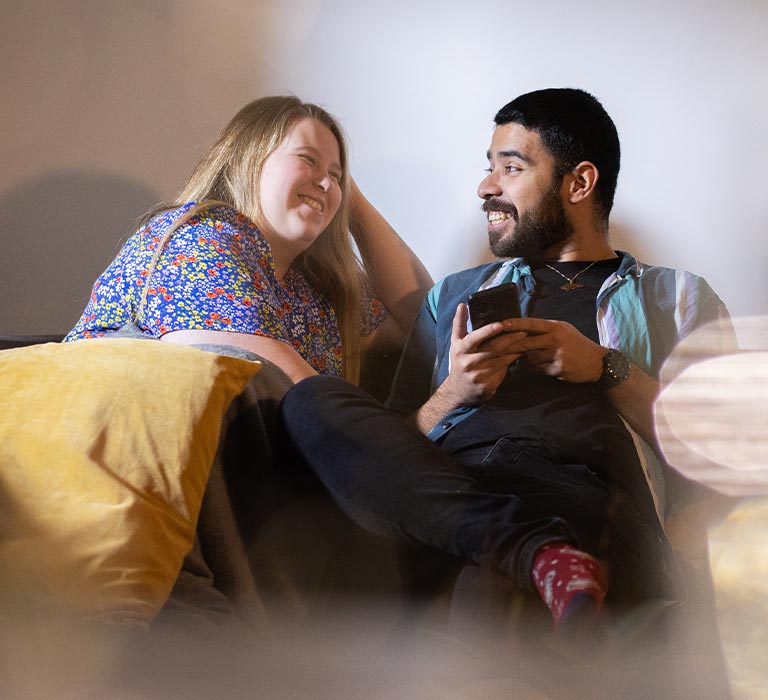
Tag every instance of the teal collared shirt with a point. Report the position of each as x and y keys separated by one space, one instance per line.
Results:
x=642 y=310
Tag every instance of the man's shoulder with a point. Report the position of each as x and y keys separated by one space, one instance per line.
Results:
x=668 y=292
x=660 y=280
x=458 y=284
x=468 y=276
x=631 y=265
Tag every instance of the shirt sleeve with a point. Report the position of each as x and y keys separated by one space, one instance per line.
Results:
x=703 y=323
x=112 y=297
x=373 y=313
x=215 y=273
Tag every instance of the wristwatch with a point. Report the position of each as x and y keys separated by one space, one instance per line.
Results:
x=616 y=369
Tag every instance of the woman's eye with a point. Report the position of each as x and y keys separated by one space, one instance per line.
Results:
x=309 y=159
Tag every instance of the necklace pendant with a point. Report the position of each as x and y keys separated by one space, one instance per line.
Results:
x=569 y=286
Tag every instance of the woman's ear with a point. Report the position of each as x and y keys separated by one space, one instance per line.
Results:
x=583 y=179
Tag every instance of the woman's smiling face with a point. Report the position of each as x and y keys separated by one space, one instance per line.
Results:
x=300 y=189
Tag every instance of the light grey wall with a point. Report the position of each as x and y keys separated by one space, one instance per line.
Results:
x=107 y=104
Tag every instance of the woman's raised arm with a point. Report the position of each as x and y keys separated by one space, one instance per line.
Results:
x=400 y=279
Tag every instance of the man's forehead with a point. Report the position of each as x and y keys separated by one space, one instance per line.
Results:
x=515 y=138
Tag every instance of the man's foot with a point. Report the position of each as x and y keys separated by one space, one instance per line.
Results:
x=572 y=583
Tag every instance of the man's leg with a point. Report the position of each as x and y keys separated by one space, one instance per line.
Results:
x=611 y=523
x=392 y=480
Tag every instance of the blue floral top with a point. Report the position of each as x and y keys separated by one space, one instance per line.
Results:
x=216 y=272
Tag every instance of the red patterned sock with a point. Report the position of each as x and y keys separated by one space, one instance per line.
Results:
x=572 y=583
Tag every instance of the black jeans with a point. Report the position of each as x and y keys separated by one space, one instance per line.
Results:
x=496 y=504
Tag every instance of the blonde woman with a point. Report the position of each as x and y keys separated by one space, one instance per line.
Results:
x=256 y=252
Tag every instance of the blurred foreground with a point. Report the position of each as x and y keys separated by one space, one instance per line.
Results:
x=357 y=653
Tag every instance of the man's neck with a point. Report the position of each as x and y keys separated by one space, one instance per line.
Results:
x=589 y=244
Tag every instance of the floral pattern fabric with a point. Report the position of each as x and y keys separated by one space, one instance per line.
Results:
x=216 y=272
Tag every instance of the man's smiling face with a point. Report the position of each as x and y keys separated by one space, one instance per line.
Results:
x=523 y=195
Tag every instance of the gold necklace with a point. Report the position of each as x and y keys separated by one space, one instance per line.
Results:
x=570 y=285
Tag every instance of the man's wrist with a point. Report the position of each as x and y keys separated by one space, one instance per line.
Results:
x=616 y=369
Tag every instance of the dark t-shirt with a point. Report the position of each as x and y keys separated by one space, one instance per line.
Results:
x=577 y=307
x=569 y=422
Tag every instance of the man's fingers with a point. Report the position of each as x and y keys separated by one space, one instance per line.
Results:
x=540 y=357
x=491 y=363
x=459 y=329
x=544 y=362
x=507 y=359
x=504 y=343
x=529 y=325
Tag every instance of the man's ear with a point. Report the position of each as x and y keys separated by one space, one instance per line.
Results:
x=582 y=181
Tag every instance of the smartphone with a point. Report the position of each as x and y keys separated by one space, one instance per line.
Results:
x=493 y=304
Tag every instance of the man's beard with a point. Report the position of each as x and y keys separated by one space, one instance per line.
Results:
x=543 y=226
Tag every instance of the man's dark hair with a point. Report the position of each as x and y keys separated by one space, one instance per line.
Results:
x=573 y=126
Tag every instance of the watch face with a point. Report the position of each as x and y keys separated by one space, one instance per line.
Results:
x=616 y=368
x=619 y=366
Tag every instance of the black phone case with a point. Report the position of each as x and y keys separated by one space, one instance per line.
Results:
x=494 y=304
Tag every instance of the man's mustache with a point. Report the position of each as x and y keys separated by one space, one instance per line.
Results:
x=500 y=205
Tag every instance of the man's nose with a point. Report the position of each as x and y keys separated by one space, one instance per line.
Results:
x=488 y=187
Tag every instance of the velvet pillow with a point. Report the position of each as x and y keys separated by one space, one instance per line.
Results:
x=105 y=451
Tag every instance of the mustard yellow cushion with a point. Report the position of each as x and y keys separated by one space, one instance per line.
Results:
x=105 y=451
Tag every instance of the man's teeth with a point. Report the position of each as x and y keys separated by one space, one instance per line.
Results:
x=495 y=217
x=312 y=203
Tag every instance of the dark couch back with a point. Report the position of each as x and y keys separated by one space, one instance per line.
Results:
x=18 y=341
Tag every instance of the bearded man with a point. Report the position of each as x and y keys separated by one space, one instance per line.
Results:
x=538 y=458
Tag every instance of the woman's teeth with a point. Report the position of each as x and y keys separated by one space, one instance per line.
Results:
x=312 y=203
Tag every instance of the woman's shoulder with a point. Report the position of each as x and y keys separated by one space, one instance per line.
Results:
x=165 y=216
x=202 y=214
x=214 y=233
x=218 y=214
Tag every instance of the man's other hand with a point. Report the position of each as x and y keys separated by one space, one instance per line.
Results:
x=556 y=349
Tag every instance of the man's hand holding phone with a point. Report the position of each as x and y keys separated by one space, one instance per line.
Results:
x=493 y=304
x=479 y=359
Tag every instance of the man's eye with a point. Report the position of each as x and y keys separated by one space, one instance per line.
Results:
x=511 y=169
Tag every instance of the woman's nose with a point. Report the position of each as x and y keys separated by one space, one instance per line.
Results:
x=323 y=181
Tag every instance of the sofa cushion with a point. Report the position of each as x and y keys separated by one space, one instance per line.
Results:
x=105 y=450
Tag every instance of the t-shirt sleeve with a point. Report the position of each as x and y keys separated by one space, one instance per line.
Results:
x=373 y=312
x=215 y=273
x=112 y=297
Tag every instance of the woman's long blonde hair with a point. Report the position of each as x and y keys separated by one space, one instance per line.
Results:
x=230 y=171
